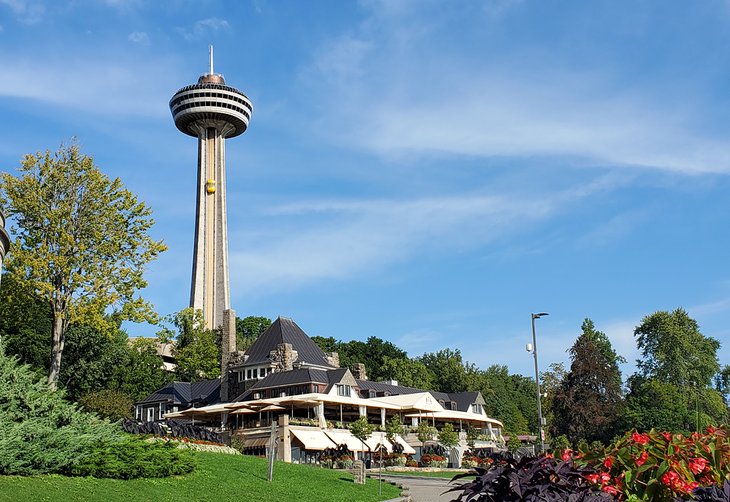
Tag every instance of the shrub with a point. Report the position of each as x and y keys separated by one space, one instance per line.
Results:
x=107 y=403
x=530 y=479
x=660 y=465
x=42 y=433
x=132 y=458
x=433 y=460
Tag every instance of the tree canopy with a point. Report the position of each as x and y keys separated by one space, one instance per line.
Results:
x=197 y=349
x=82 y=242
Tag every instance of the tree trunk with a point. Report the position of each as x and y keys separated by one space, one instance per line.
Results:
x=58 y=337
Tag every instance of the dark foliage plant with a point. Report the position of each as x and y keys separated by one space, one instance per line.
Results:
x=715 y=493
x=529 y=479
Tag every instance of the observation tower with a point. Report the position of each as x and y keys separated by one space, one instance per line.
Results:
x=211 y=111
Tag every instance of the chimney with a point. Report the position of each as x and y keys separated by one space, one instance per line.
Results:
x=333 y=359
x=358 y=371
x=228 y=346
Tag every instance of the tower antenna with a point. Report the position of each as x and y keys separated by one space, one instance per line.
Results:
x=210 y=56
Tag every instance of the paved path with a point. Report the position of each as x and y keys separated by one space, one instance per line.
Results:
x=425 y=489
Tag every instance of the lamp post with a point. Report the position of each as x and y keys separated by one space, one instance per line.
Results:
x=533 y=349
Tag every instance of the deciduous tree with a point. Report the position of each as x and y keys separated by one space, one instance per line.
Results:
x=197 y=348
x=82 y=242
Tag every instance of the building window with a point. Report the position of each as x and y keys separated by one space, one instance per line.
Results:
x=453 y=405
x=137 y=412
x=343 y=390
x=476 y=408
x=150 y=414
x=248 y=375
x=240 y=376
x=255 y=372
x=256 y=395
x=372 y=393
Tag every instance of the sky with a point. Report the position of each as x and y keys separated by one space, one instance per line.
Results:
x=430 y=173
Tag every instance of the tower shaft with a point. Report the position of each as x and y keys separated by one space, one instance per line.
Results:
x=210 y=288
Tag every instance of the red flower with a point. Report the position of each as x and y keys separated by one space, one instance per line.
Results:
x=642 y=458
x=608 y=463
x=670 y=478
x=697 y=465
x=710 y=429
x=593 y=478
x=667 y=436
x=640 y=438
x=566 y=454
x=610 y=489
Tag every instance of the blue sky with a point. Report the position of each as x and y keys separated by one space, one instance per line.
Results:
x=426 y=172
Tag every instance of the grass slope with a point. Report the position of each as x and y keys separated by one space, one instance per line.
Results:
x=218 y=478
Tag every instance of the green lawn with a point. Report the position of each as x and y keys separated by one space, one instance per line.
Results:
x=218 y=478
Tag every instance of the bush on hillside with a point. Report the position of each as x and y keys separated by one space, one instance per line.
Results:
x=107 y=403
x=42 y=433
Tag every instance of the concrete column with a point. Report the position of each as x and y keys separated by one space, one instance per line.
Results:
x=382 y=417
x=283 y=451
x=320 y=415
x=363 y=410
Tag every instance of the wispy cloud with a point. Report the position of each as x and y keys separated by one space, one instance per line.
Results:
x=352 y=237
x=102 y=86
x=26 y=11
x=200 y=28
x=139 y=37
x=402 y=99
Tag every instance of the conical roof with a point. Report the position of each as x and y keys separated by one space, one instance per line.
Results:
x=285 y=330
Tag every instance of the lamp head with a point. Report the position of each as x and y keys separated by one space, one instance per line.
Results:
x=538 y=316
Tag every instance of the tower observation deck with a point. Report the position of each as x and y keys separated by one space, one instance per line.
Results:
x=211 y=111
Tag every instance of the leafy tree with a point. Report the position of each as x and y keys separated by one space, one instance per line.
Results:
x=25 y=323
x=513 y=443
x=472 y=436
x=447 y=368
x=249 y=329
x=143 y=372
x=82 y=242
x=408 y=372
x=394 y=427
x=107 y=403
x=425 y=432
x=510 y=399
x=197 y=348
x=675 y=351
x=653 y=404
x=448 y=436
x=362 y=430
x=588 y=403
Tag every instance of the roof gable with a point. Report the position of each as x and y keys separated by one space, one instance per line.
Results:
x=285 y=330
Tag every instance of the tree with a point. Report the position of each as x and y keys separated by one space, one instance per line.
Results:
x=425 y=432
x=249 y=329
x=588 y=403
x=197 y=349
x=448 y=370
x=472 y=436
x=362 y=430
x=82 y=242
x=675 y=351
x=407 y=372
x=448 y=436
x=107 y=403
x=394 y=427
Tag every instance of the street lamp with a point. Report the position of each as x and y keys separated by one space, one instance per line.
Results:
x=533 y=348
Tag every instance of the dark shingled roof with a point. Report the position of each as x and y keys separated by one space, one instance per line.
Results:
x=295 y=377
x=204 y=392
x=284 y=330
x=463 y=400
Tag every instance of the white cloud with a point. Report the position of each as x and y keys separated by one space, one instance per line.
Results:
x=404 y=96
x=103 y=86
x=204 y=26
x=139 y=37
x=27 y=11
x=351 y=238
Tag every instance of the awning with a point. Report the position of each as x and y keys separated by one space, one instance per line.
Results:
x=341 y=436
x=378 y=438
x=312 y=439
x=255 y=442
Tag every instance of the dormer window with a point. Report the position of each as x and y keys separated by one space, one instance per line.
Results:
x=453 y=405
x=476 y=408
x=372 y=393
x=344 y=390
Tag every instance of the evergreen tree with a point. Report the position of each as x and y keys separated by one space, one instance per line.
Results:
x=588 y=403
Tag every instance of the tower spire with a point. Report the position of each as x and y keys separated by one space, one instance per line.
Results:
x=210 y=57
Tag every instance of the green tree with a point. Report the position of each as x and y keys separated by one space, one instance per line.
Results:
x=394 y=427
x=448 y=436
x=407 y=372
x=143 y=372
x=82 y=242
x=588 y=403
x=472 y=436
x=447 y=368
x=510 y=399
x=675 y=351
x=197 y=349
x=425 y=432
x=362 y=430
x=249 y=329
x=107 y=403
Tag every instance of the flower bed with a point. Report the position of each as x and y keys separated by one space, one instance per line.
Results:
x=198 y=445
x=432 y=460
x=660 y=465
